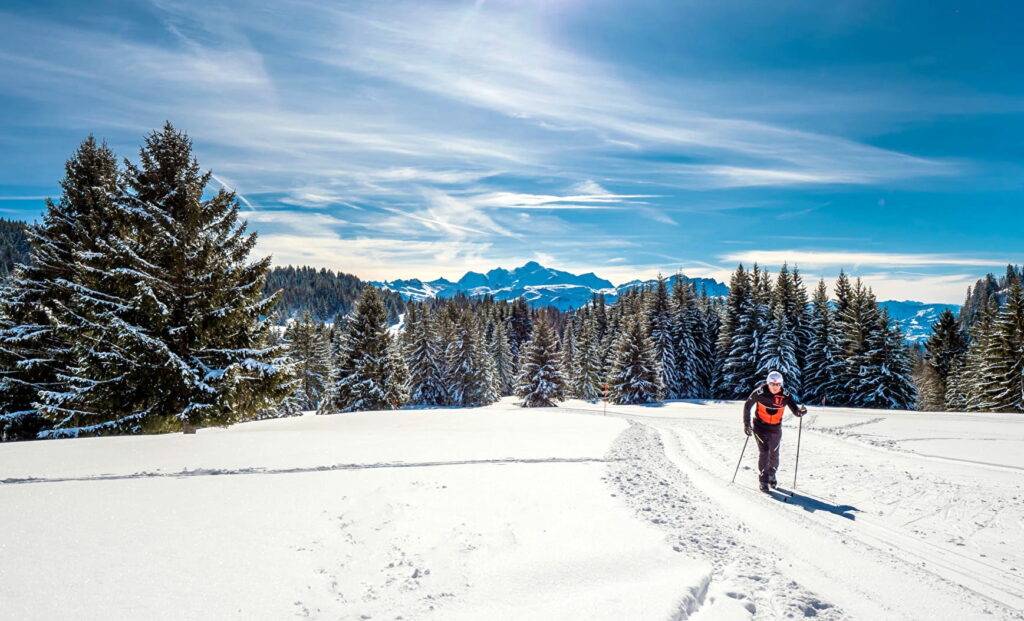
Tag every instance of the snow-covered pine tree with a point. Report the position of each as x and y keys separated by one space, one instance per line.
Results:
x=708 y=367
x=364 y=368
x=501 y=352
x=486 y=390
x=687 y=381
x=540 y=382
x=966 y=383
x=293 y=404
x=763 y=317
x=567 y=359
x=885 y=367
x=397 y=390
x=944 y=347
x=779 y=352
x=824 y=363
x=309 y=348
x=35 y=344
x=736 y=344
x=520 y=326
x=329 y=399
x=614 y=319
x=589 y=380
x=635 y=376
x=422 y=357
x=661 y=320
x=189 y=346
x=845 y=299
x=859 y=321
x=791 y=295
x=1003 y=358
x=470 y=369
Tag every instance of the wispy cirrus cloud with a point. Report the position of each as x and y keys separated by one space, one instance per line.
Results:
x=499 y=63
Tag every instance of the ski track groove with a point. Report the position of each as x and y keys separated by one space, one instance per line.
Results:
x=742 y=577
x=997 y=594
x=877 y=557
x=199 y=472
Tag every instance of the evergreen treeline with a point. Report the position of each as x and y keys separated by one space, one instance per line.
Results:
x=848 y=353
x=13 y=245
x=976 y=362
x=327 y=295
x=139 y=308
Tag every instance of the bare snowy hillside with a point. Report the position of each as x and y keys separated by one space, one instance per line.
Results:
x=505 y=513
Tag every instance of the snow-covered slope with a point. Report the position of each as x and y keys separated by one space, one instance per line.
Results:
x=495 y=513
x=538 y=285
x=502 y=513
x=916 y=318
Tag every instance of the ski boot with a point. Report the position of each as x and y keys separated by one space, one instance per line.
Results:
x=764 y=488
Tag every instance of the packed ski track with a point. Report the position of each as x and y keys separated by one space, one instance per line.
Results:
x=874 y=529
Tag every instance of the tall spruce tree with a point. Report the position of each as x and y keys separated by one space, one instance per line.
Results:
x=1002 y=360
x=397 y=390
x=35 y=324
x=520 y=326
x=858 y=322
x=689 y=381
x=661 y=324
x=189 y=347
x=471 y=381
x=824 y=362
x=364 y=369
x=540 y=382
x=965 y=386
x=635 y=376
x=736 y=343
x=567 y=359
x=504 y=371
x=589 y=380
x=944 y=347
x=310 y=349
x=422 y=352
x=706 y=338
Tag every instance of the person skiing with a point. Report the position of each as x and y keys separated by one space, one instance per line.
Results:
x=771 y=401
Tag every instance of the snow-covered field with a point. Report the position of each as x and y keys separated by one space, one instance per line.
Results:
x=505 y=513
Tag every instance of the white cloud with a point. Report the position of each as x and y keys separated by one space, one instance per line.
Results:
x=310 y=224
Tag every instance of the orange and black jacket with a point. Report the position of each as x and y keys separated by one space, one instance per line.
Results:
x=770 y=408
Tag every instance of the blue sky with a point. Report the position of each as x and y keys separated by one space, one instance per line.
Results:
x=399 y=139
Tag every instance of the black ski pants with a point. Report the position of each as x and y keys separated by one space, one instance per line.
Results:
x=769 y=438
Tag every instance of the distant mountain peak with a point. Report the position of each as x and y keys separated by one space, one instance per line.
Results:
x=537 y=284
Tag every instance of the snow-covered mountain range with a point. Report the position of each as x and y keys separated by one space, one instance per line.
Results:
x=916 y=318
x=538 y=285
x=543 y=286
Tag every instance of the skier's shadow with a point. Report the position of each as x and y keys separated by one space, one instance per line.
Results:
x=813 y=504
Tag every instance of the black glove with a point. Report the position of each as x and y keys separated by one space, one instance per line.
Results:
x=748 y=431
x=800 y=411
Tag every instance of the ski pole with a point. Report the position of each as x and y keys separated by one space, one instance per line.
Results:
x=741 y=459
x=799 y=432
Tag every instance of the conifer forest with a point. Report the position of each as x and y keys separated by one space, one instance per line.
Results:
x=136 y=305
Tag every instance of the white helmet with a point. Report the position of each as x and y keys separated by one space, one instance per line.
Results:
x=774 y=378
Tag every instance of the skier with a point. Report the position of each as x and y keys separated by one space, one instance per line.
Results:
x=771 y=401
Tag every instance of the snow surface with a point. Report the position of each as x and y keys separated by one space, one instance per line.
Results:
x=505 y=513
